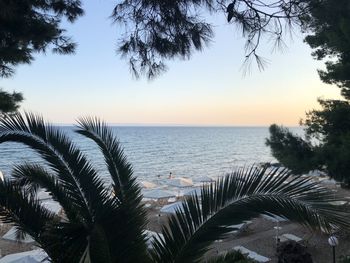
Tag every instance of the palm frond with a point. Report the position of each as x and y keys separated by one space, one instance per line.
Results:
x=72 y=168
x=66 y=241
x=120 y=170
x=16 y=128
x=35 y=176
x=91 y=185
x=99 y=247
x=125 y=188
x=16 y=206
x=240 y=196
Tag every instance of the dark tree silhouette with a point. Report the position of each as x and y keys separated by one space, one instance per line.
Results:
x=291 y=150
x=158 y=30
x=28 y=27
x=329 y=23
x=9 y=103
x=31 y=26
x=330 y=126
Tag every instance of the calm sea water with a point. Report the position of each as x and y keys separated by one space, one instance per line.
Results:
x=153 y=151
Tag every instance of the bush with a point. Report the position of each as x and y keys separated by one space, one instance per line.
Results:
x=344 y=259
x=293 y=252
x=231 y=257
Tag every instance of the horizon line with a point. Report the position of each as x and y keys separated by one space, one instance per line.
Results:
x=182 y=125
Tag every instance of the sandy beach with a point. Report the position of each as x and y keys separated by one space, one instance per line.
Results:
x=258 y=236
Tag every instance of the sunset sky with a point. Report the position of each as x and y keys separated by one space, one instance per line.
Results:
x=209 y=89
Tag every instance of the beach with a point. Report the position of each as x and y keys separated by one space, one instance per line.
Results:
x=258 y=236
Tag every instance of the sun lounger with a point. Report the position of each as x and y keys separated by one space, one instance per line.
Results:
x=275 y=218
x=251 y=254
x=292 y=237
x=11 y=235
x=172 y=200
x=32 y=256
x=238 y=227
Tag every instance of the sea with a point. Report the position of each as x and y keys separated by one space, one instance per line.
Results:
x=154 y=152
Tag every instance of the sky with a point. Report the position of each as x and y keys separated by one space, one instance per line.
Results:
x=209 y=89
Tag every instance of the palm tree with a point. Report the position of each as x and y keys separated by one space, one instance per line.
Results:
x=104 y=221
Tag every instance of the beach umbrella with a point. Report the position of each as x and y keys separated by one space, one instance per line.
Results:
x=32 y=256
x=197 y=190
x=329 y=182
x=171 y=208
x=316 y=173
x=53 y=206
x=203 y=179
x=180 y=182
x=12 y=236
x=158 y=194
x=146 y=184
x=152 y=235
x=43 y=195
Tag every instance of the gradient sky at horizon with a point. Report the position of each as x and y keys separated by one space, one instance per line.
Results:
x=208 y=89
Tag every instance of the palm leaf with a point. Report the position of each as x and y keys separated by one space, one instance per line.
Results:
x=66 y=240
x=125 y=188
x=120 y=170
x=241 y=196
x=75 y=176
x=62 y=241
x=71 y=166
x=26 y=213
x=16 y=128
x=34 y=176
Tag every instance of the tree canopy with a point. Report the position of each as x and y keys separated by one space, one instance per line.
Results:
x=327 y=130
x=325 y=147
x=292 y=151
x=28 y=27
x=31 y=26
x=328 y=24
x=9 y=102
x=159 y=30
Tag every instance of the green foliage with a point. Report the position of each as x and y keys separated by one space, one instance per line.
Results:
x=9 y=103
x=329 y=24
x=293 y=252
x=290 y=150
x=104 y=221
x=344 y=259
x=330 y=127
x=95 y=217
x=231 y=257
x=31 y=26
x=335 y=155
x=331 y=121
